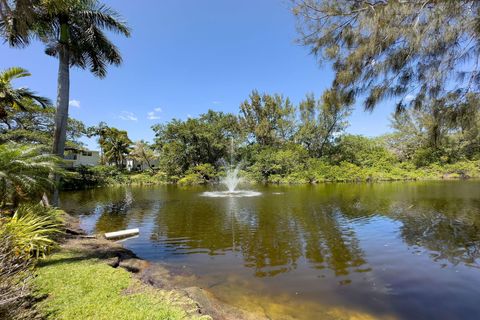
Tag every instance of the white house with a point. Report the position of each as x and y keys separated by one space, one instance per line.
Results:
x=133 y=165
x=76 y=157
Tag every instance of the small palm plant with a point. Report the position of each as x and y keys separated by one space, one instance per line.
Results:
x=24 y=173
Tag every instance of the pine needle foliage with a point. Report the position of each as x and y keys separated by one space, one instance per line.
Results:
x=414 y=51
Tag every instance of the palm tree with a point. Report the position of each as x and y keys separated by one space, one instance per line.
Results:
x=24 y=172
x=11 y=98
x=73 y=32
x=143 y=153
x=116 y=145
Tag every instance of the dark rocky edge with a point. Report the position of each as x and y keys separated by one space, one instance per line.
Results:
x=153 y=274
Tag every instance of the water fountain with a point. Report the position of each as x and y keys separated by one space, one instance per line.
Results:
x=231 y=181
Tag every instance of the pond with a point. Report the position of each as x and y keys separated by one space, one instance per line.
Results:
x=400 y=250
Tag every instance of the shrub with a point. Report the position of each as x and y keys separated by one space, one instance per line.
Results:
x=88 y=177
x=24 y=172
x=34 y=228
x=274 y=164
x=191 y=179
x=205 y=170
x=146 y=178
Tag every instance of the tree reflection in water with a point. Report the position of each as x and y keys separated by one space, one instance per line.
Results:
x=346 y=245
x=317 y=224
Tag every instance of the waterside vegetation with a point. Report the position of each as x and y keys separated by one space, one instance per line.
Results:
x=419 y=57
x=276 y=142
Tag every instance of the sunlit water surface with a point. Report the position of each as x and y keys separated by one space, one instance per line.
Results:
x=332 y=251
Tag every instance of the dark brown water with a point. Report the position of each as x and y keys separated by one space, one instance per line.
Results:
x=332 y=251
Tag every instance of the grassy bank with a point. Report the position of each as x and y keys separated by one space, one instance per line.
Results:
x=82 y=287
x=311 y=172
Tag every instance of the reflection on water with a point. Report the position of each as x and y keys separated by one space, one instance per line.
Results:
x=336 y=250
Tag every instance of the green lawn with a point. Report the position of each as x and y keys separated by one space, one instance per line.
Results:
x=83 y=288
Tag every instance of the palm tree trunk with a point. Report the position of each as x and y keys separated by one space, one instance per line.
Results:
x=63 y=92
x=61 y=114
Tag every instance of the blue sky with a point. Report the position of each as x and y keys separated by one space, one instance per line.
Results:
x=186 y=56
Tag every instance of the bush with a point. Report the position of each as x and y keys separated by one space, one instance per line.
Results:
x=147 y=178
x=88 y=177
x=205 y=170
x=191 y=179
x=24 y=173
x=272 y=165
x=34 y=228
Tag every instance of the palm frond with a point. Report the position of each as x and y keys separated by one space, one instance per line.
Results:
x=12 y=73
x=104 y=17
x=24 y=172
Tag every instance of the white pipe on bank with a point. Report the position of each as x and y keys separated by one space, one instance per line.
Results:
x=122 y=233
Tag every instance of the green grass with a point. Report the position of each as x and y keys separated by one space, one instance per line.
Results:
x=80 y=288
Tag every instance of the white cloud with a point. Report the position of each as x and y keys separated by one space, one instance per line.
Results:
x=216 y=102
x=154 y=115
x=409 y=97
x=74 y=103
x=128 y=116
x=189 y=116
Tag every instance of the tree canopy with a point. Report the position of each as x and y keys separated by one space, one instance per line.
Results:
x=416 y=52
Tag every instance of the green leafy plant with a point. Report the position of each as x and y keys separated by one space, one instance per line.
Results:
x=34 y=229
x=24 y=172
x=14 y=99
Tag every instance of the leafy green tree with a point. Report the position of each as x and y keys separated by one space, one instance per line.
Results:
x=321 y=121
x=24 y=173
x=72 y=31
x=409 y=134
x=199 y=174
x=99 y=131
x=116 y=146
x=437 y=133
x=363 y=152
x=269 y=120
x=12 y=99
x=271 y=164
x=185 y=144
x=36 y=126
x=414 y=51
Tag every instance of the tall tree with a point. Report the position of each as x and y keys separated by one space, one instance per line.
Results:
x=143 y=153
x=116 y=146
x=73 y=32
x=12 y=99
x=269 y=119
x=437 y=132
x=414 y=51
x=196 y=141
x=100 y=131
x=321 y=120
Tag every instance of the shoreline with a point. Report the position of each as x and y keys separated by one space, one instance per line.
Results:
x=196 y=301
x=316 y=183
